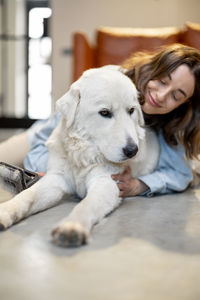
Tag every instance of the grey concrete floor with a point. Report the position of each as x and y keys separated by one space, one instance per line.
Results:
x=149 y=248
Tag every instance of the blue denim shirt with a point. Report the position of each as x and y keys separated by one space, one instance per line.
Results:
x=173 y=173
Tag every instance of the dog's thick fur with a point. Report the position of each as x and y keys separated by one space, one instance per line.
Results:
x=100 y=133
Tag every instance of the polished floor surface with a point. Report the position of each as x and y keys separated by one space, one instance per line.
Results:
x=148 y=249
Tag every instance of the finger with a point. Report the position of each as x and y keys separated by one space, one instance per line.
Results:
x=115 y=176
x=41 y=174
x=118 y=177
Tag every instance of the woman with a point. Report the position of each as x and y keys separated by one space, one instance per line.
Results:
x=169 y=86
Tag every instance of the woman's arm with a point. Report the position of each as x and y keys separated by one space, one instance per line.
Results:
x=14 y=149
x=37 y=157
x=173 y=174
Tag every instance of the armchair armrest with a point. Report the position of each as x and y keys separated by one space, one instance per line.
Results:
x=83 y=55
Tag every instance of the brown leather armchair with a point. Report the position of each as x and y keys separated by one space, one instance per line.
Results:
x=113 y=45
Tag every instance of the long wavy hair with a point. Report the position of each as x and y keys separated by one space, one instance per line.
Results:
x=182 y=125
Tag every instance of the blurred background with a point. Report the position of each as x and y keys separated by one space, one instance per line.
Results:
x=36 y=50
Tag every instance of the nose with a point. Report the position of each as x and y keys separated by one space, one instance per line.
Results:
x=162 y=95
x=130 y=150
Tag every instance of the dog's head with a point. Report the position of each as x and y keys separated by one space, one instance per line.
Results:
x=103 y=105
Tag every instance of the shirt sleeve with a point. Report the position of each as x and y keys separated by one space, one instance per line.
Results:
x=37 y=157
x=173 y=173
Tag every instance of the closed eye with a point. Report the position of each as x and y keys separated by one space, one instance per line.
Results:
x=162 y=82
x=174 y=97
x=106 y=113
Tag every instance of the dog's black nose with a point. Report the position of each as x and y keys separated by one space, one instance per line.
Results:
x=130 y=150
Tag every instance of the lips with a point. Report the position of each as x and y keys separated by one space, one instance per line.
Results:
x=152 y=101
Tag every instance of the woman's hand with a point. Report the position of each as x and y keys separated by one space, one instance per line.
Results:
x=128 y=185
x=41 y=174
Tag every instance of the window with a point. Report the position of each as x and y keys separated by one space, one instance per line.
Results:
x=39 y=67
x=25 y=62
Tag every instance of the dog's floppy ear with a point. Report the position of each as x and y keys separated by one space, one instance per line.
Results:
x=68 y=103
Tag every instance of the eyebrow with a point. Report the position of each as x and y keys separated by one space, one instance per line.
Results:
x=180 y=90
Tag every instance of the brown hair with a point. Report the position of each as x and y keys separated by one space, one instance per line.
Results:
x=182 y=125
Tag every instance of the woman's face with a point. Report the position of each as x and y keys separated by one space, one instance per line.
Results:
x=164 y=95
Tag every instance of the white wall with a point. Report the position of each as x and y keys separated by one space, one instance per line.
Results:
x=87 y=15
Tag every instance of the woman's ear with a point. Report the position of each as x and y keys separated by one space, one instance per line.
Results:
x=68 y=103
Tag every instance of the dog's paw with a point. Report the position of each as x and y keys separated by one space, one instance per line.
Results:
x=5 y=220
x=70 y=234
x=2 y=227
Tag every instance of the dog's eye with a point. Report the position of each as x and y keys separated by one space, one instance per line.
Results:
x=106 y=113
x=131 y=110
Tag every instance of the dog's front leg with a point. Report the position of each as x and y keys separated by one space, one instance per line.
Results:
x=101 y=199
x=42 y=195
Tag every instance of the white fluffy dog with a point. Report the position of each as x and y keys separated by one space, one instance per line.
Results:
x=100 y=133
